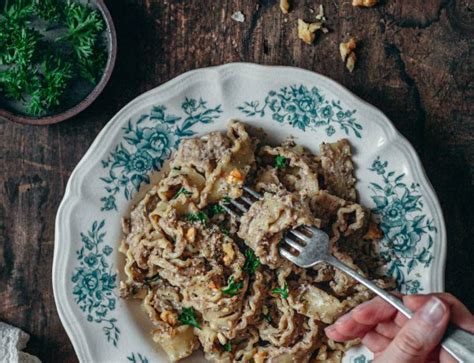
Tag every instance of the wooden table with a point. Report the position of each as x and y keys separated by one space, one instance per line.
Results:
x=415 y=64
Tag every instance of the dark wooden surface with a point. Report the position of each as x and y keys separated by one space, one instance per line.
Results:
x=415 y=64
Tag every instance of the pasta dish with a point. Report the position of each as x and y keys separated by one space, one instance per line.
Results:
x=209 y=280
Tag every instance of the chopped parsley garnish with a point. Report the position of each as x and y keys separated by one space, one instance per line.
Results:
x=224 y=230
x=227 y=347
x=226 y=200
x=214 y=210
x=267 y=317
x=187 y=317
x=232 y=288
x=184 y=191
x=283 y=292
x=251 y=262
x=177 y=168
x=198 y=217
x=280 y=162
x=152 y=280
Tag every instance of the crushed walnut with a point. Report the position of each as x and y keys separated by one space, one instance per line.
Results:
x=374 y=233
x=347 y=53
x=285 y=6
x=364 y=3
x=307 y=31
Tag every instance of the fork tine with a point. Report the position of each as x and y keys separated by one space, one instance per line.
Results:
x=238 y=205
x=288 y=255
x=230 y=211
x=294 y=244
x=253 y=192
x=300 y=235
x=244 y=198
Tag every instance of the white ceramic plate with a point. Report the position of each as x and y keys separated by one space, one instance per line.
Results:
x=124 y=159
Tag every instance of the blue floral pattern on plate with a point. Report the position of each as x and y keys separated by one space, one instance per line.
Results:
x=361 y=359
x=305 y=109
x=408 y=232
x=137 y=358
x=146 y=144
x=94 y=282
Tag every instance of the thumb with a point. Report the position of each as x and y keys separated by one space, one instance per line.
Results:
x=420 y=335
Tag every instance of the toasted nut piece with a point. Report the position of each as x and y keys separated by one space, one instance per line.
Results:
x=364 y=3
x=213 y=285
x=169 y=317
x=229 y=253
x=191 y=234
x=346 y=48
x=259 y=357
x=373 y=233
x=347 y=53
x=285 y=6
x=235 y=176
x=351 y=61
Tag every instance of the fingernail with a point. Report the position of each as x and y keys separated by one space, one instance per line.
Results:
x=363 y=305
x=433 y=311
x=344 y=318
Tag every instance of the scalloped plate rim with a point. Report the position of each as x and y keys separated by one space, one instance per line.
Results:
x=72 y=193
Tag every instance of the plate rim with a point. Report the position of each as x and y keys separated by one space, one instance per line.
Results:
x=72 y=192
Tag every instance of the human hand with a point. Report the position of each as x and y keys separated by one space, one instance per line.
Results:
x=394 y=338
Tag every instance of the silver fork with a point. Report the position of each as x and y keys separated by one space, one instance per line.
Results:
x=310 y=251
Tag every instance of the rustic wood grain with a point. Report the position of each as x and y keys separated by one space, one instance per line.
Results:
x=415 y=64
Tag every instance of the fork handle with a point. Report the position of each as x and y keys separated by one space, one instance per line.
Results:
x=457 y=342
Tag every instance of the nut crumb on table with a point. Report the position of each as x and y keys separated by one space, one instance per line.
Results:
x=285 y=6
x=347 y=53
x=364 y=3
x=307 y=31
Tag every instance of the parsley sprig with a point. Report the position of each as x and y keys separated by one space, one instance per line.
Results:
x=227 y=347
x=198 y=217
x=215 y=209
x=184 y=191
x=233 y=287
x=281 y=162
x=188 y=317
x=283 y=292
x=251 y=262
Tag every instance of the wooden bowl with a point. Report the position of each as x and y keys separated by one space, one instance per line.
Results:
x=85 y=102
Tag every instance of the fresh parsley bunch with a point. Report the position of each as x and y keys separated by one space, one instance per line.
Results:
x=38 y=71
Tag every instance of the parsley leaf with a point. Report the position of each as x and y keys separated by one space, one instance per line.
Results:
x=184 y=191
x=267 y=317
x=280 y=162
x=232 y=288
x=224 y=230
x=152 y=280
x=187 y=317
x=283 y=292
x=226 y=200
x=251 y=262
x=228 y=347
x=214 y=210
x=197 y=217
x=48 y=10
